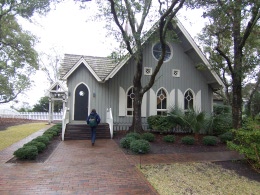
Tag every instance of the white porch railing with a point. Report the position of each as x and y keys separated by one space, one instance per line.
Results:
x=109 y=120
x=65 y=121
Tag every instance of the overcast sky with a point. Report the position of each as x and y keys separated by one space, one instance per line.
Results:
x=65 y=29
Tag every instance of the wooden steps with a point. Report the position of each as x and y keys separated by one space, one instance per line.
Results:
x=83 y=132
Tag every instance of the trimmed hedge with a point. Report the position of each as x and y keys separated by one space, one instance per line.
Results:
x=188 y=140
x=210 y=140
x=31 y=149
x=134 y=135
x=44 y=139
x=27 y=152
x=169 y=138
x=148 y=136
x=40 y=146
x=140 y=146
x=228 y=136
x=126 y=141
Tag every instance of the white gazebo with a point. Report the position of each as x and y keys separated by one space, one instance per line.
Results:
x=57 y=92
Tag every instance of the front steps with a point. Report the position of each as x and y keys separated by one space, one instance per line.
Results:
x=83 y=132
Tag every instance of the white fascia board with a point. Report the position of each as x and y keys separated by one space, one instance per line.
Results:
x=198 y=51
x=81 y=60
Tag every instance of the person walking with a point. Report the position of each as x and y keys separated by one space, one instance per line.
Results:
x=93 y=120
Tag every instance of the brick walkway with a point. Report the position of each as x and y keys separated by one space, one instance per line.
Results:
x=75 y=167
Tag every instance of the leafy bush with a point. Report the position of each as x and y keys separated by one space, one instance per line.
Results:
x=49 y=135
x=247 y=142
x=140 y=146
x=40 y=146
x=134 y=135
x=222 y=119
x=126 y=141
x=44 y=139
x=169 y=138
x=210 y=140
x=188 y=140
x=160 y=123
x=228 y=136
x=27 y=152
x=50 y=131
x=148 y=136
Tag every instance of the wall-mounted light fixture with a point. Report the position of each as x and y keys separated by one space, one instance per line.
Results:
x=94 y=94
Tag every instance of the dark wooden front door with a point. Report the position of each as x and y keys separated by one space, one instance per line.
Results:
x=81 y=103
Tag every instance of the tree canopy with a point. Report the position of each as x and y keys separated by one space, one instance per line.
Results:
x=18 y=58
x=231 y=40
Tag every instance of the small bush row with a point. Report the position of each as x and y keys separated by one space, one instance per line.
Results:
x=137 y=143
x=31 y=149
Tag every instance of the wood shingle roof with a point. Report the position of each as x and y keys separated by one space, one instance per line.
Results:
x=101 y=66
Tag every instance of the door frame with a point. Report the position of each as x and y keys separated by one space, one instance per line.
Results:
x=73 y=108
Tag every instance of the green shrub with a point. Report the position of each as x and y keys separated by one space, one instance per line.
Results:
x=44 y=139
x=134 y=135
x=228 y=136
x=210 y=140
x=27 y=152
x=160 y=123
x=169 y=138
x=148 y=136
x=247 y=142
x=56 y=129
x=222 y=120
x=126 y=141
x=40 y=146
x=140 y=146
x=188 y=140
x=49 y=135
x=50 y=131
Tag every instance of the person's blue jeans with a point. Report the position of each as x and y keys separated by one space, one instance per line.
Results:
x=93 y=134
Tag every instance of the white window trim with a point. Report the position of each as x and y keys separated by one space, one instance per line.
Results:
x=167 y=100
x=170 y=46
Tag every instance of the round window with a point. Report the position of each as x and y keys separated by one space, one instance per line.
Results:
x=157 y=51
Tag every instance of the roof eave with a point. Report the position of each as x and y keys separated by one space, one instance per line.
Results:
x=79 y=62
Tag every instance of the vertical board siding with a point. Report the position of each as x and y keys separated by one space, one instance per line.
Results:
x=107 y=94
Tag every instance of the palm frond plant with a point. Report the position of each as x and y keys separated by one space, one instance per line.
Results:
x=196 y=121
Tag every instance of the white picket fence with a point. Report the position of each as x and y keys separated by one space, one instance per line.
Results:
x=33 y=115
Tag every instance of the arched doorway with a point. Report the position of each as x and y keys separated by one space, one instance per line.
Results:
x=81 y=102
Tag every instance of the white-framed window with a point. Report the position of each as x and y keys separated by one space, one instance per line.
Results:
x=188 y=100
x=161 y=102
x=130 y=102
x=157 y=51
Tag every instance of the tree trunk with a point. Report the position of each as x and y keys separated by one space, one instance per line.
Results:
x=137 y=119
x=237 y=103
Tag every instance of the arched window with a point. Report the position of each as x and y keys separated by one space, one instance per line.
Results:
x=130 y=102
x=188 y=100
x=161 y=102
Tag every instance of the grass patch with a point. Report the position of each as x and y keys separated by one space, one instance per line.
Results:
x=15 y=133
x=197 y=178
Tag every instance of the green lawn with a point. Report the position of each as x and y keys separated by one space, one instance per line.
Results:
x=16 y=133
x=197 y=178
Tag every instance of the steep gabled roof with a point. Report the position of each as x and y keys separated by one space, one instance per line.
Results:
x=100 y=67
x=104 y=69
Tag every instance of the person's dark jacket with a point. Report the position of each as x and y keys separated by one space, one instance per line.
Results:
x=96 y=116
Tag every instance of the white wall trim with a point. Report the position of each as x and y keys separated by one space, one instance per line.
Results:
x=152 y=109
x=73 y=103
x=122 y=102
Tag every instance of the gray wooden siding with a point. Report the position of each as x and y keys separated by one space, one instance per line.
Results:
x=101 y=99
x=107 y=94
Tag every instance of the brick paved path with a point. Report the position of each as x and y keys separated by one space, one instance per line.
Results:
x=75 y=167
